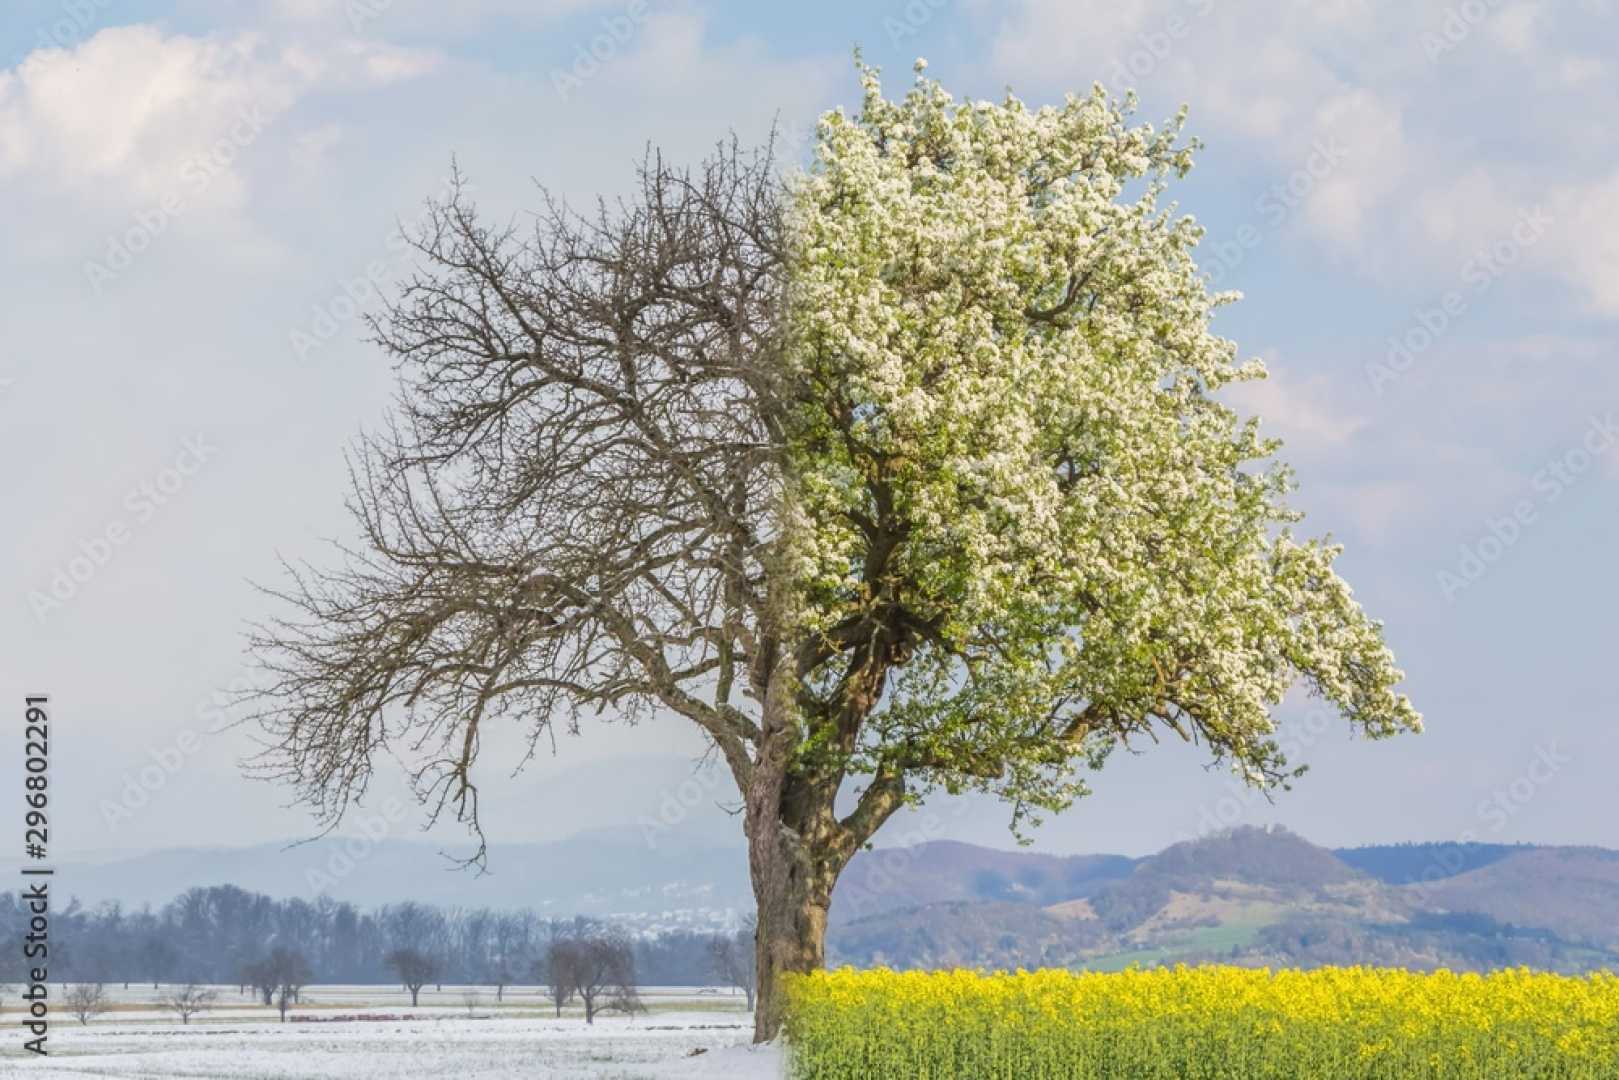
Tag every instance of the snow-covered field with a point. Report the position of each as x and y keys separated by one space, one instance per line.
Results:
x=369 y=1033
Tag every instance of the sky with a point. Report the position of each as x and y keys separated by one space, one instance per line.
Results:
x=1418 y=200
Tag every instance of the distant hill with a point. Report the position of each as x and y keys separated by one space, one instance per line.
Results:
x=1575 y=890
x=1402 y=864
x=993 y=933
x=1271 y=861
x=890 y=879
x=1262 y=897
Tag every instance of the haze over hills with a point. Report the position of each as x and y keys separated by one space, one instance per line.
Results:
x=1247 y=896
x=1268 y=897
x=622 y=870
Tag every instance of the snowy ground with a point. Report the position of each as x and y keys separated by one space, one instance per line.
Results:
x=686 y=1034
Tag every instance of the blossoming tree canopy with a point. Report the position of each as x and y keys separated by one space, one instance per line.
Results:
x=1011 y=412
x=909 y=473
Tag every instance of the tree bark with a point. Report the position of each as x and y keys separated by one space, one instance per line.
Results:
x=788 y=822
x=790 y=939
x=797 y=846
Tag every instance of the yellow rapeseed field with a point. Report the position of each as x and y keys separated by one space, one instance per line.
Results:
x=1204 y=1023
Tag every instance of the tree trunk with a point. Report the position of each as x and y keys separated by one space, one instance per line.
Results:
x=790 y=939
x=797 y=845
x=796 y=849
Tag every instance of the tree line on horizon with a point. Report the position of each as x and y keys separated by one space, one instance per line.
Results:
x=226 y=935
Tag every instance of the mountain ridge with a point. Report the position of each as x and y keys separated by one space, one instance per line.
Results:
x=1246 y=895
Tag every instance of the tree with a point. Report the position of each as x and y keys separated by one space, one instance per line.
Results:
x=911 y=476
x=414 y=968
x=731 y=957
x=512 y=934
x=287 y=972
x=262 y=978
x=85 y=1000
x=188 y=1000
x=555 y=968
x=602 y=967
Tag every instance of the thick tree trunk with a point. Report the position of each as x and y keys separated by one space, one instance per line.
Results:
x=797 y=846
x=791 y=939
x=791 y=843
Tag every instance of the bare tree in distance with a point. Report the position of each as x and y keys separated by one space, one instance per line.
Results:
x=288 y=973
x=883 y=511
x=85 y=1000
x=603 y=973
x=732 y=958
x=415 y=970
x=189 y=1000
x=262 y=978
x=593 y=962
x=555 y=968
x=512 y=939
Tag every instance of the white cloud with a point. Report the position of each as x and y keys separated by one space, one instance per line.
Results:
x=1381 y=511
x=1344 y=206
x=134 y=116
x=131 y=105
x=419 y=16
x=1580 y=70
x=1585 y=250
x=1307 y=413
x=1078 y=43
x=1514 y=28
x=1420 y=186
